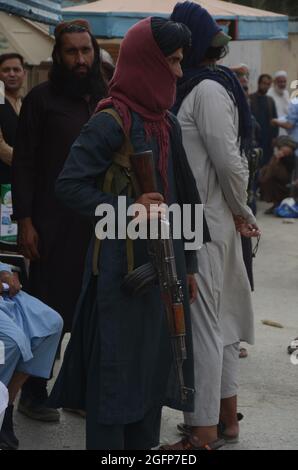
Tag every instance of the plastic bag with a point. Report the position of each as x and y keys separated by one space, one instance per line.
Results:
x=288 y=208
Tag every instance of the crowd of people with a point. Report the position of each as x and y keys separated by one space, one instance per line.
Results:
x=167 y=94
x=276 y=116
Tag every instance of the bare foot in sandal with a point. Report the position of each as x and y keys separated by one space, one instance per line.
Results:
x=243 y=353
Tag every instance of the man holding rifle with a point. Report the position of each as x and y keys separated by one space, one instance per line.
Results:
x=119 y=365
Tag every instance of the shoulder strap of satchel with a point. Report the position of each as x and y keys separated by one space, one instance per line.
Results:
x=121 y=158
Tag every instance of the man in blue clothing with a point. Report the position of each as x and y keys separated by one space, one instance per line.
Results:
x=291 y=121
x=29 y=335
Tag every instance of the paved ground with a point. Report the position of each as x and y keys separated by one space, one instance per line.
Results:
x=269 y=381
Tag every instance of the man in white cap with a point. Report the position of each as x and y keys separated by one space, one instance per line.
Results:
x=281 y=97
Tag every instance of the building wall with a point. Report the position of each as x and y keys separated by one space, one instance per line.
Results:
x=265 y=57
x=259 y=56
x=249 y=53
x=281 y=55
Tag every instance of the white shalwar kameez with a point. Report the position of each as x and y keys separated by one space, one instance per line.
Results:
x=222 y=314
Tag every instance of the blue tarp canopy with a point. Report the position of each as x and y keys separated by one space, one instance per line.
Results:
x=44 y=11
x=112 y=18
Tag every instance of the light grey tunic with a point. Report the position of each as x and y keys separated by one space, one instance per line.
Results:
x=209 y=121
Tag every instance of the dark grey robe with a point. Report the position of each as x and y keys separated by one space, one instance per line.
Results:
x=119 y=361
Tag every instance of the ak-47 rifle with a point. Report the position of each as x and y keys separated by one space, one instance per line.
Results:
x=162 y=267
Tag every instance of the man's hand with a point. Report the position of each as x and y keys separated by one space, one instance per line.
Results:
x=12 y=280
x=28 y=239
x=192 y=287
x=249 y=230
x=151 y=201
x=238 y=220
x=244 y=228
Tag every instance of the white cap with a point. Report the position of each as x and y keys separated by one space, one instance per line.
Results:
x=106 y=57
x=281 y=73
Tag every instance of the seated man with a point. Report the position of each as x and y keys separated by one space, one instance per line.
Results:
x=29 y=336
x=275 y=177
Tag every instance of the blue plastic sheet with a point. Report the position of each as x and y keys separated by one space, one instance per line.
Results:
x=44 y=11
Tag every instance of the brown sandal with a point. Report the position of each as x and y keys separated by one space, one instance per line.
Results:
x=243 y=353
x=187 y=444
x=185 y=430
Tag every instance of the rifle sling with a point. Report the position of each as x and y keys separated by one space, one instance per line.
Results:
x=120 y=163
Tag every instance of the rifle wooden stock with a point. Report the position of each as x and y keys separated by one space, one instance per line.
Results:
x=178 y=311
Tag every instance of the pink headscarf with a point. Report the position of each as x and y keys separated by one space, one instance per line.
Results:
x=143 y=82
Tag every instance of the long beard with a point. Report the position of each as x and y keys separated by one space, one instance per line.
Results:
x=79 y=86
x=69 y=83
x=279 y=91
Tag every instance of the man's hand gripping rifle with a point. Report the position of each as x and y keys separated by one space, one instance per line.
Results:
x=161 y=268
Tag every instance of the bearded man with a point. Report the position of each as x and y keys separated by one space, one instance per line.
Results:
x=281 y=96
x=54 y=238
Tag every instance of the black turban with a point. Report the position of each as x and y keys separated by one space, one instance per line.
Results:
x=169 y=35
